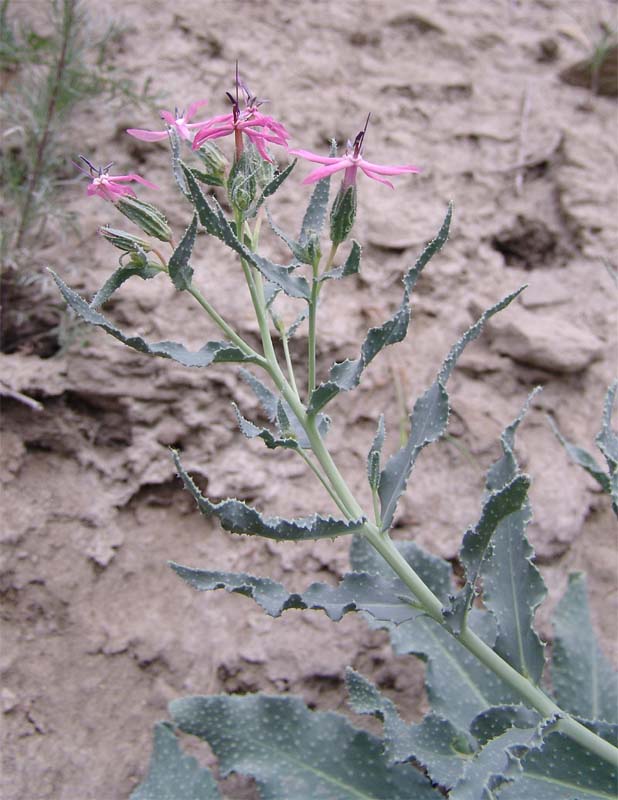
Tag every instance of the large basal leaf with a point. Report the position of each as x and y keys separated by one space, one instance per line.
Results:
x=435 y=743
x=428 y=421
x=237 y=517
x=295 y=754
x=345 y=376
x=458 y=685
x=560 y=769
x=582 y=458
x=178 y=266
x=583 y=679
x=213 y=219
x=172 y=775
x=493 y=766
x=211 y=353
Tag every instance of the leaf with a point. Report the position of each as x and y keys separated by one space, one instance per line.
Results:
x=252 y=431
x=459 y=687
x=350 y=266
x=435 y=743
x=607 y=439
x=493 y=766
x=478 y=543
x=495 y=721
x=298 y=251
x=345 y=376
x=172 y=775
x=292 y=752
x=560 y=769
x=512 y=586
x=213 y=219
x=584 y=682
x=315 y=215
x=428 y=420
x=354 y=592
x=267 y=399
x=178 y=265
x=210 y=353
x=237 y=517
x=582 y=458
x=373 y=457
x=272 y=186
x=121 y=275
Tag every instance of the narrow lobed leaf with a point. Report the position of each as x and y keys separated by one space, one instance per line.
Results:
x=237 y=517
x=210 y=353
x=178 y=266
x=350 y=266
x=121 y=275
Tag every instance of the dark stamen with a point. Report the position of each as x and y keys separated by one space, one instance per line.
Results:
x=91 y=166
x=358 y=142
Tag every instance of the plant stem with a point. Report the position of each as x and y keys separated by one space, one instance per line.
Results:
x=229 y=332
x=68 y=18
x=313 y=311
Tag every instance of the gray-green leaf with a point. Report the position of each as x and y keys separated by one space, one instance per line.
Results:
x=583 y=679
x=180 y=271
x=237 y=517
x=121 y=275
x=210 y=353
x=292 y=752
x=172 y=775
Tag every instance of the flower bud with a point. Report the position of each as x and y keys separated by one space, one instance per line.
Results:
x=123 y=240
x=215 y=164
x=241 y=183
x=313 y=249
x=342 y=214
x=145 y=216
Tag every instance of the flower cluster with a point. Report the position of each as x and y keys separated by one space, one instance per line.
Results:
x=245 y=120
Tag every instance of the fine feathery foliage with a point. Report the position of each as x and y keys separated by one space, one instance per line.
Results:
x=492 y=730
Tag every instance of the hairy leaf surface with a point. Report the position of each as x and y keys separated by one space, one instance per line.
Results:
x=292 y=752
x=172 y=775
x=180 y=271
x=117 y=278
x=237 y=517
x=583 y=679
x=211 y=353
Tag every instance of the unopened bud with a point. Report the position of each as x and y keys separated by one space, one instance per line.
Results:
x=215 y=164
x=241 y=183
x=145 y=216
x=342 y=214
x=123 y=240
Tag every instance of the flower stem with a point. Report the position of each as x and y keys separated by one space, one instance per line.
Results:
x=313 y=311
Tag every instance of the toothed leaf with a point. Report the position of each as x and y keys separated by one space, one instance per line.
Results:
x=177 y=166
x=213 y=219
x=583 y=679
x=121 y=275
x=266 y=398
x=211 y=353
x=493 y=766
x=428 y=421
x=180 y=271
x=560 y=769
x=350 y=266
x=435 y=743
x=172 y=775
x=237 y=517
x=450 y=666
x=252 y=431
x=292 y=752
x=607 y=439
x=478 y=544
x=583 y=459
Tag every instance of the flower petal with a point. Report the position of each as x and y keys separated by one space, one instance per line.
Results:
x=147 y=136
x=193 y=107
x=387 y=169
x=315 y=157
x=324 y=172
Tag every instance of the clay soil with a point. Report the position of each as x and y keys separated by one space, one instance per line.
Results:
x=98 y=634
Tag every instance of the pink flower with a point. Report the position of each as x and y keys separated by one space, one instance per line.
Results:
x=351 y=162
x=259 y=128
x=110 y=187
x=178 y=120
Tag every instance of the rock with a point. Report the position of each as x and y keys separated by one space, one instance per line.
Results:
x=543 y=341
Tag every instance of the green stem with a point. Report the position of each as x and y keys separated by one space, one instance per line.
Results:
x=313 y=312
x=433 y=607
x=288 y=359
x=229 y=332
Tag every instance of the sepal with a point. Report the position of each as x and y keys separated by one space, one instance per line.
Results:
x=145 y=216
